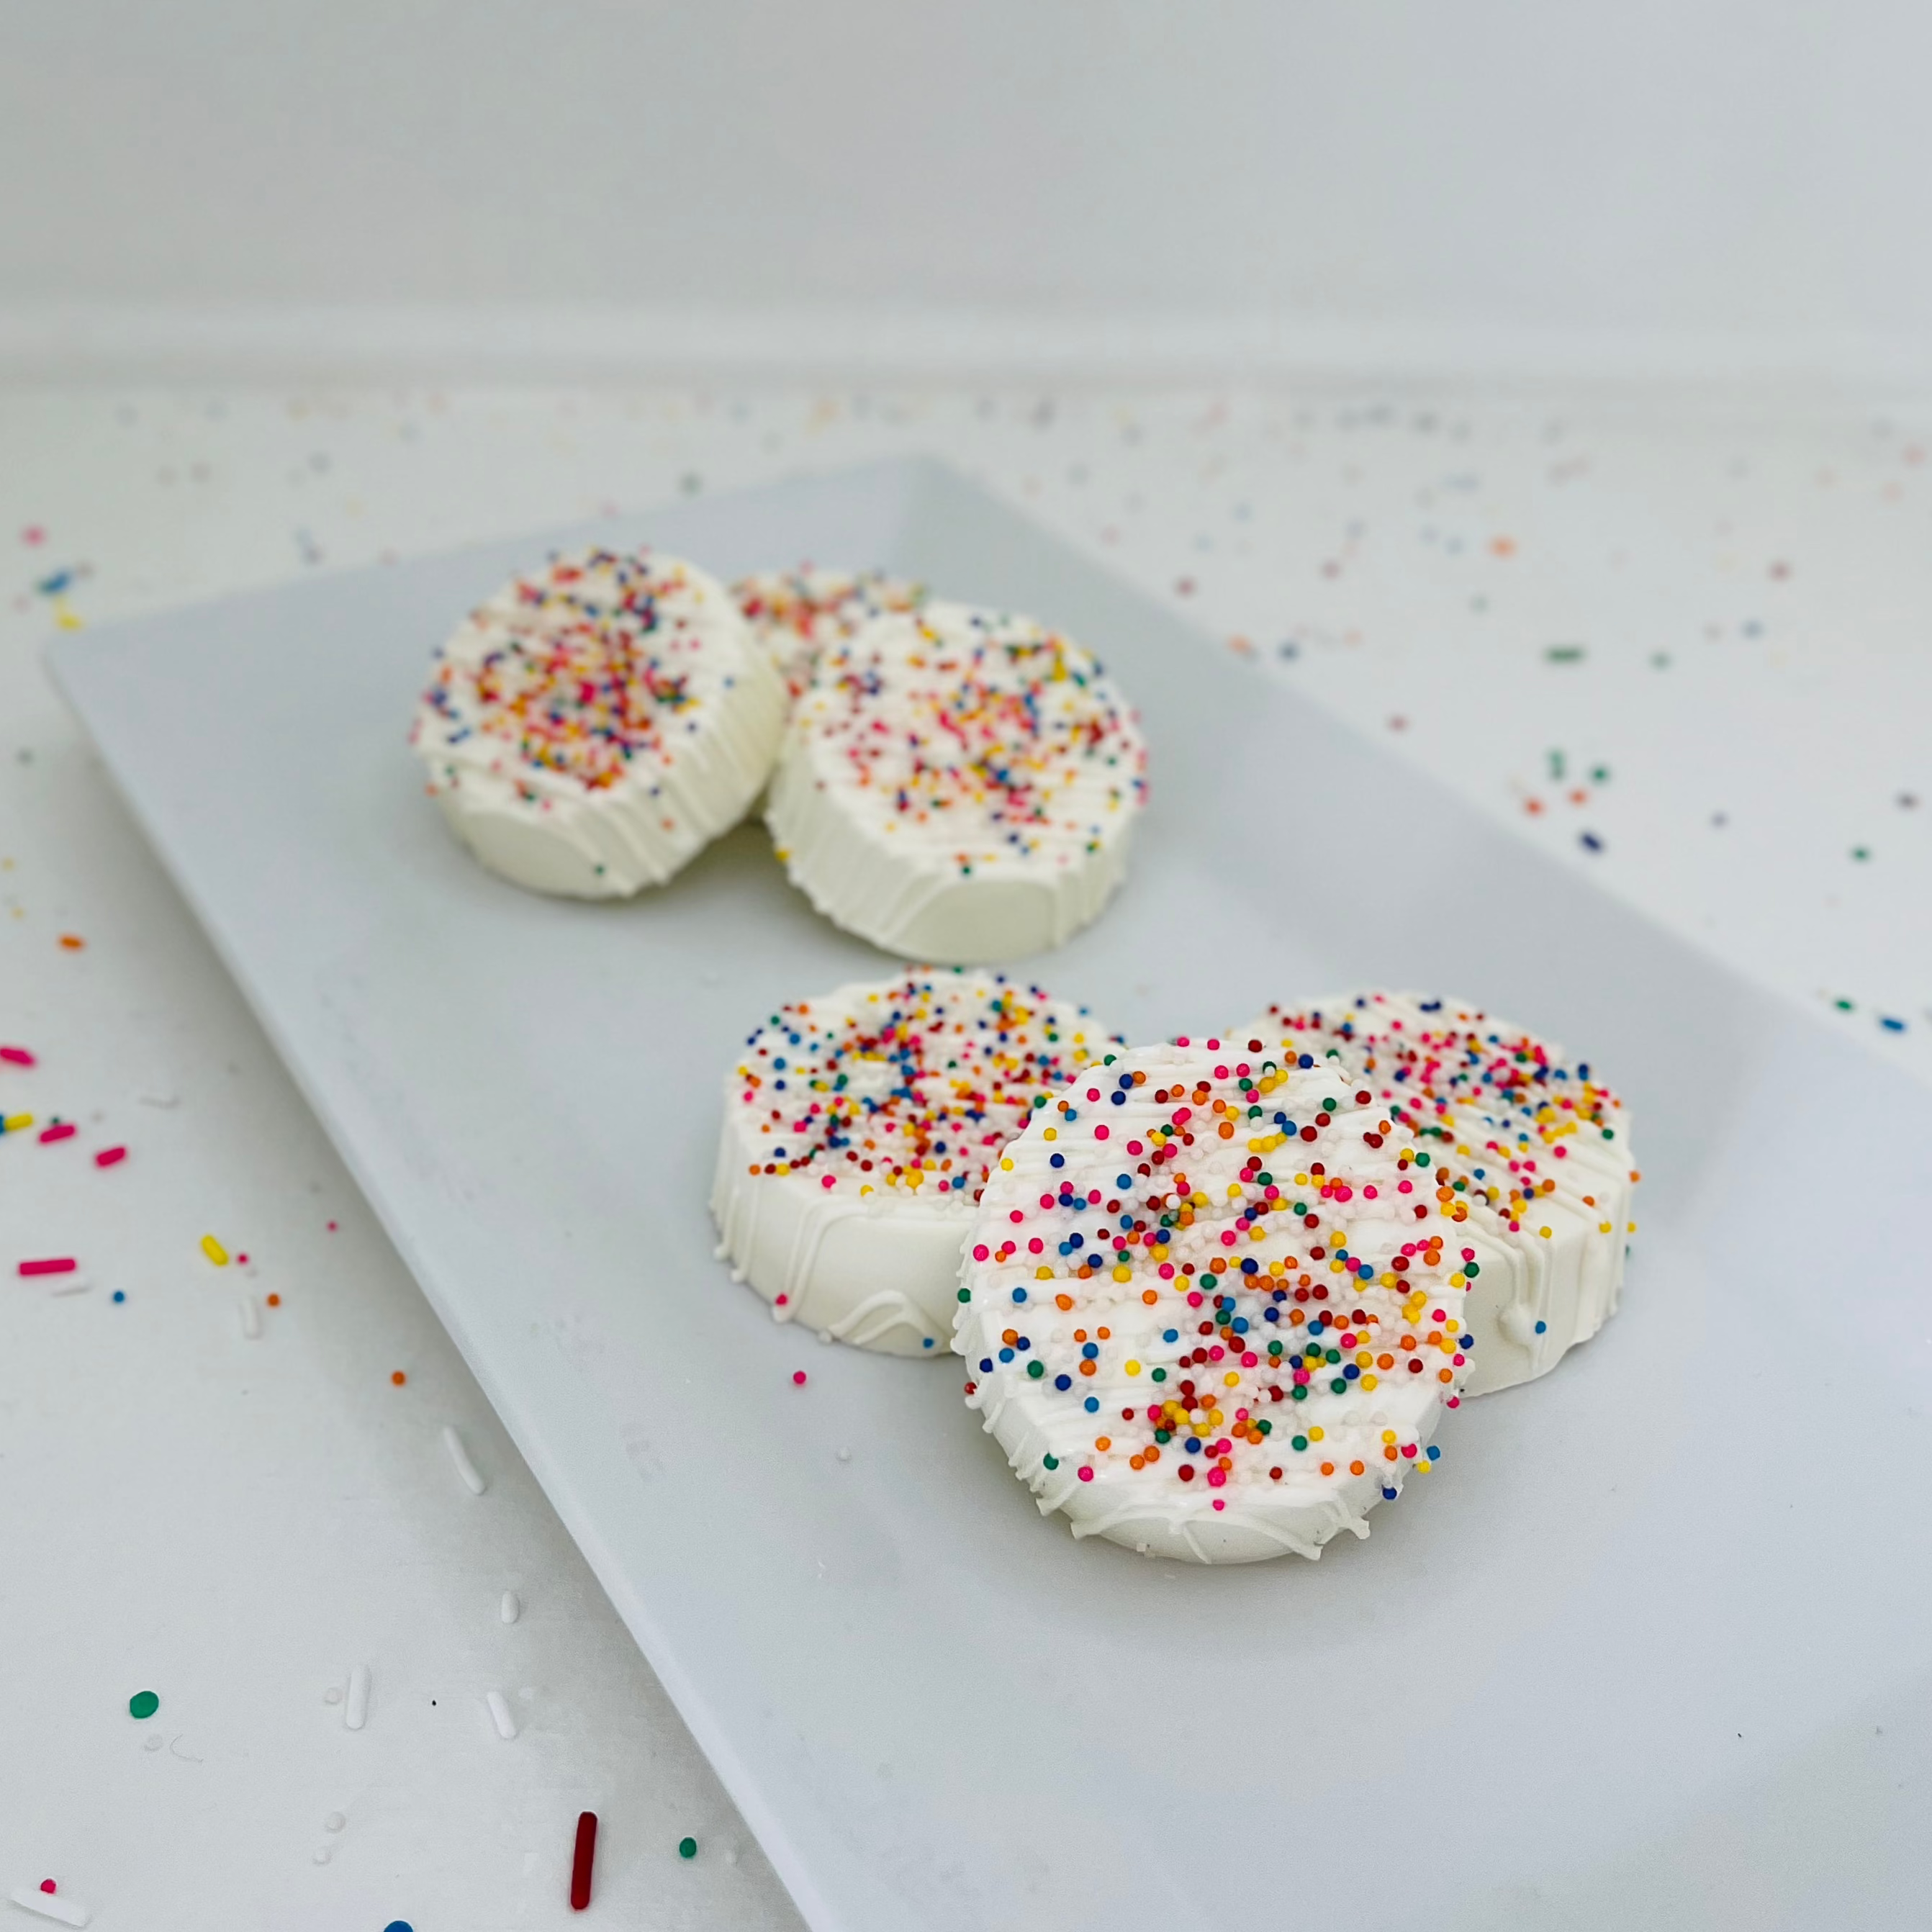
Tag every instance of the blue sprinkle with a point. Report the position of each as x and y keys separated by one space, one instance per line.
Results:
x=1388 y=1495
x=1306 y=1059
x=926 y=1343
x=985 y=1365
x=1059 y=1160
x=1590 y=841
x=1435 y=1453
x=1019 y=1295
x=1892 y=1025
x=1062 y=1382
x=120 y=1294
x=1093 y=1405
x=1170 y=1335
x=1543 y=1328
x=1122 y=1180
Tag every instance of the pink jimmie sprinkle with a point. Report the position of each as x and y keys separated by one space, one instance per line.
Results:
x=63 y=1131
x=17 y=1056
x=48 y=1885
x=60 y=1264
x=110 y=1156
x=798 y=1378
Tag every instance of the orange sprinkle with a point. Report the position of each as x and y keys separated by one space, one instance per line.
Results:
x=1328 y=1468
x=1356 y=1469
x=274 y=1301
x=72 y=941
x=398 y=1378
x=1063 y=1301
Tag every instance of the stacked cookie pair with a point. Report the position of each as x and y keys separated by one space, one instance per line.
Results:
x=947 y=782
x=1213 y=1294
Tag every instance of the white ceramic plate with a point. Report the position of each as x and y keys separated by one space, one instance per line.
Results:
x=1651 y=1648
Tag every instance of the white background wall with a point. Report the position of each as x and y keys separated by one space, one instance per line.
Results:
x=1642 y=178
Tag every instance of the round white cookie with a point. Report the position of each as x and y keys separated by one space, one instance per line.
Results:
x=959 y=784
x=858 y=1130
x=1195 y=1333
x=1527 y=1154
x=595 y=725
x=795 y=613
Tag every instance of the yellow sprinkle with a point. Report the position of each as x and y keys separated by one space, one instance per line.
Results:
x=865 y=1190
x=1422 y=1465
x=1334 y=1267
x=1459 y=1280
x=1133 y=1368
x=1368 y=1382
x=1388 y=1281
x=1230 y=1379
x=1388 y=1434
x=1233 y=1190
x=15 y=1123
x=1315 y=1435
x=1006 y=1164
x=1053 y=1133
x=1544 y=1232
x=215 y=1251
x=1124 y=1274
x=1042 y=1274
x=1633 y=1227
x=1603 y=1227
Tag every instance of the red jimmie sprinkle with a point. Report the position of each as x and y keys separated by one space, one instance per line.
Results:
x=109 y=1157
x=17 y=1056
x=60 y=1264
x=63 y=1132
x=581 y=1861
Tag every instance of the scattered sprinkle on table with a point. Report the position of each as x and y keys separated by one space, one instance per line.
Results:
x=72 y=941
x=110 y=1156
x=56 y=1265
x=582 y=1858
x=798 y=1378
x=215 y=1251
x=687 y=1848
x=15 y=1123
x=15 y=1056
x=143 y=1704
x=60 y=1130
x=397 y=1376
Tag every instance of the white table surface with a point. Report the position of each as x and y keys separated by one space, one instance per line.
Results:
x=1694 y=630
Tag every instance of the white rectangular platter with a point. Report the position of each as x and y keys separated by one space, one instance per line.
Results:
x=1652 y=1648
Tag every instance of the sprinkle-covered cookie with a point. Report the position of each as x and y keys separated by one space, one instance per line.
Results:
x=595 y=724
x=1525 y=1153
x=858 y=1130
x=795 y=613
x=959 y=784
x=1202 y=1315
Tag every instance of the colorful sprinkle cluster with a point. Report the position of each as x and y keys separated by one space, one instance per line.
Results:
x=989 y=737
x=1517 y=1135
x=795 y=613
x=590 y=667
x=1214 y=1274
x=908 y=1090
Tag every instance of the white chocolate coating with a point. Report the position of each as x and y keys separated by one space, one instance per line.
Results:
x=858 y=1129
x=1197 y=1335
x=595 y=725
x=1535 y=1153
x=958 y=785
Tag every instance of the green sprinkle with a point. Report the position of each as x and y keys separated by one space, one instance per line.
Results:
x=1299 y=1442
x=1051 y=1462
x=687 y=1848
x=1563 y=654
x=1036 y=1370
x=1160 y=1375
x=143 y=1704
x=965 y=1294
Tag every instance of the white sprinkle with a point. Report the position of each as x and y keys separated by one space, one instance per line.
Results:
x=333 y=1821
x=251 y=1317
x=76 y=1283
x=472 y=1477
x=321 y=1855
x=357 y=1714
x=825 y=1335
x=499 y=1713
x=731 y=1856
x=844 y=1455
x=511 y=1608
x=153 y=1743
x=49 y=1904
x=158 y=1099
x=333 y=1695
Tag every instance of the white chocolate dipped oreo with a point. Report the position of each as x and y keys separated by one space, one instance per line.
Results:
x=1190 y=1330
x=959 y=784
x=795 y=613
x=858 y=1129
x=1526 y=1154
x=595 y=725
